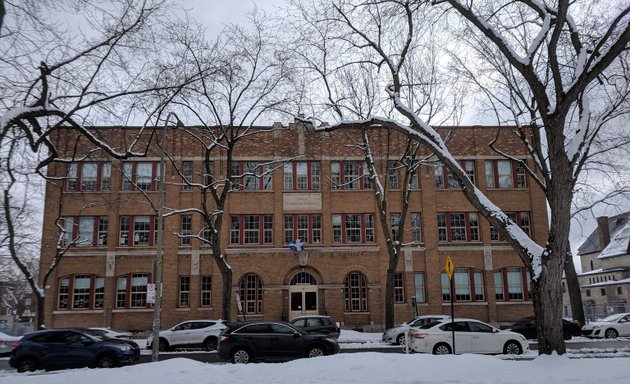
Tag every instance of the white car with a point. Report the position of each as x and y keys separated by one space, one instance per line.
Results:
x=471 y=336
x=190 y=334
x=5 y=343
x=113 y=333
x=609 y=327
x=397 y=334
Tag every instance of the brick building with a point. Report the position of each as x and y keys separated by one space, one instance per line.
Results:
x=314 y=190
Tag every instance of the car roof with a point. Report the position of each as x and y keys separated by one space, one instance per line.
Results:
x=311 y=316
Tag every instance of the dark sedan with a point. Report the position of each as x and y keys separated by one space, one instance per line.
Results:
x=318 y=324
x=71 y=348
x=527 y=327
x=245 y=342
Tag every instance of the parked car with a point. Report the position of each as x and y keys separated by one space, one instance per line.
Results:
x=113 y=333
x=5 y=343
x=71 y=348
x=609 y=327
x=190 y=334
x=471 y=336
x=245 y=342
x=527 y=327
x=397 y=334
x=318 y=324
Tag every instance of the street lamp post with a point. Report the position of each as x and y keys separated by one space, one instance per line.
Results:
x=159 y=252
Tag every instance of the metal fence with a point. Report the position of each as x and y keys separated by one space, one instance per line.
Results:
x=594 y=312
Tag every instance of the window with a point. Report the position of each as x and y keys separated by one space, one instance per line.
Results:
x=602 y=291
x=131 y=290
x=349 y=174
x=184 y=292
x=250 y=176
x=416 y=227
x=399 y=288
x=505 y=174
x=85 y=231
x=511 y=283
x=420 y=288
x=307 y=228
x=206 y=291
x=392 y=172
x=394 y=222
x=251 y=294
x=251 y=229
x=80 y=292
x=468 y=285
x=520 y=218
x=444 y=179
x=88 y=177
x=353 y=228
x=459 y=226
x=186 y=230
x=355 y=292
x=142 y=229
x=619 y=290
x=187 y=173
x=302 y=175
x=140 y=175
x=588 y=293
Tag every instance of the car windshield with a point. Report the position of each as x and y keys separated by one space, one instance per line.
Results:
x=95 y=334
x=430 y=324
x=611 y=318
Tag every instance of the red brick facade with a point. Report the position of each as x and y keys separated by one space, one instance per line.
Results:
x=100 y=281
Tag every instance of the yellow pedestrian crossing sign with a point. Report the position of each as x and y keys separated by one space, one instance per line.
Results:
x=449 y=267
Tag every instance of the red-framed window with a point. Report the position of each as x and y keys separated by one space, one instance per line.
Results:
x=131 y=290
x=184 y=292
x=468 y=283
x=302 y=175
x=444 y=179
x=137 y=230
x=512 y=284
x=399 y=287
x=251 y=176
x=353 y=228
x=307 y=228
x=206 y=291
x=522 y=219
x=141 y=175
x=349 y=174
x=251 y=294
x=458 y=226
x=355 y=292
x=505 y=174
x=80 y=292
x=85 y=231
x=88 y=176
x=251 y=229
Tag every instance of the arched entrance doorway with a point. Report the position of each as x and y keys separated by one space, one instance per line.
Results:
x=302 y=295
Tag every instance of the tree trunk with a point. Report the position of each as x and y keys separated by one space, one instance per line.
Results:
x=41 y=314
x=389 y=296
x=573 y=287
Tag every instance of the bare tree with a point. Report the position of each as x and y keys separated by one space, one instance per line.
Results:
x=242 y=79
x=549 y=82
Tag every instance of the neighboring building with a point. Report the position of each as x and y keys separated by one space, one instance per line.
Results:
x=605 y=259
x=16 y=308
x=320 y=196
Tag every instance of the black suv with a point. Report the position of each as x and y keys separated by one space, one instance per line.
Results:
x=317 y=324
x=527 y=327
x=244 y=342
x=71 y=348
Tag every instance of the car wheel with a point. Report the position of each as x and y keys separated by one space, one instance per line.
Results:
x=26 y=365
x=512 y=348
x=106 y=361
x=400 y=340
x=315 y=352
x=611 y=334
x=241 y=356
x=442 y=349
x=210 y=344
x=163 y=345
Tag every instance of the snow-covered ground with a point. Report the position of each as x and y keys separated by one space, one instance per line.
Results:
x=364 y=368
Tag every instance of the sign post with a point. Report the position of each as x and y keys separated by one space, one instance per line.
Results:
x=450 y=267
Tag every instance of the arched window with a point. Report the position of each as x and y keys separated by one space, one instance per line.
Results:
x=355 y=292
x=80 y=292
x=252 y=293
x=303 y=278
x=131 y=290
